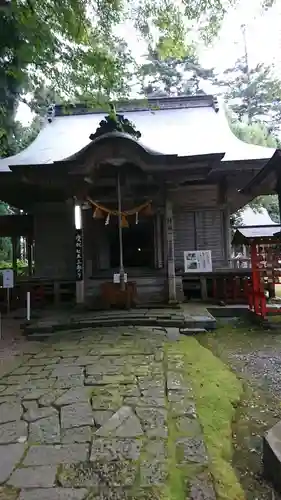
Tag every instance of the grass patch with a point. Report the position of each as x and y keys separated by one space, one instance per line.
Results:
x=217 y=392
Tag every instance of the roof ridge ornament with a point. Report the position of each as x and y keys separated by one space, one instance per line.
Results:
x=51 y=112
x=115 y=122
x=216 y=103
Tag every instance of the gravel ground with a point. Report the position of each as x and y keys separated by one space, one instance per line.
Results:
x=262 y=366
x=255 y=355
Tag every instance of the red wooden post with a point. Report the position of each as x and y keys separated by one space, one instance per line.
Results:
x=255 y=277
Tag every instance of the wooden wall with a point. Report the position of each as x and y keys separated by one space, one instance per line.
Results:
x=54 y=236
x=200 y=223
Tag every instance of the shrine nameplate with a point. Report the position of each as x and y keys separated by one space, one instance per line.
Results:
x=79 y=254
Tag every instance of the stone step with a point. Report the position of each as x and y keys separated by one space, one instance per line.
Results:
x=177 y=320
x=192 y=331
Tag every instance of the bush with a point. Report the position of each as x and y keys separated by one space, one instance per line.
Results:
x=22 y=266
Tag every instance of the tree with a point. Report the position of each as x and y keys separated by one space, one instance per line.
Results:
x=46 y=41
x=5 y=243
x=168 y=75
x=253 y=94
x=72 y=45
x=256 y=133
x=270 y=203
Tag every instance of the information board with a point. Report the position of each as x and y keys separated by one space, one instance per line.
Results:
x=7 y=278
x=198 y=261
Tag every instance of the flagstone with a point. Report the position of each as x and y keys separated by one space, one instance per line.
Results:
x=124 y=423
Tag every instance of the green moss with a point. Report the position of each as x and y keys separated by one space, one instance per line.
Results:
x=8 y=493
x=176 y=488
x=217 y=391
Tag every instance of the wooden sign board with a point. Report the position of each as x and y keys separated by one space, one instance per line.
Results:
x=198 y=261
x=79 y=265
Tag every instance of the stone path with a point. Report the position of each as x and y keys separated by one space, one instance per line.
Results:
x=103 y=415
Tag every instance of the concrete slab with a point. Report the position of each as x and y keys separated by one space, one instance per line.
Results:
x=272 y=456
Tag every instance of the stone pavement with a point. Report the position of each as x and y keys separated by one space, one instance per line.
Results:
x=101 y=414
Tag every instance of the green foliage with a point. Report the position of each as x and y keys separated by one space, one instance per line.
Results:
x=5 y=243
x=270 y=203
x=168 y=75
x=255 y=133
x=63 y=43
x=72 y=47
x=5 y=249
x=253 y=94
x=22 y=267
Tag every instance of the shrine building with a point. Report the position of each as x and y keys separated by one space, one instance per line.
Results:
x=150 y=198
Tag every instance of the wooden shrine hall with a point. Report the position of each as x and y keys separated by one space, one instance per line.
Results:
x=116 y=207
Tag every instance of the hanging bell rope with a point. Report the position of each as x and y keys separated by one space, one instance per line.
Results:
x=147 y=211
x=98 y=214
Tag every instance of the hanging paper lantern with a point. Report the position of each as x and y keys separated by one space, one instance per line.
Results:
x=124 y=222
x=147 y=211
x=98 y=214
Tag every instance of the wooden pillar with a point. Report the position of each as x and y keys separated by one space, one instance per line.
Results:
x=203 y=286
x=171 y=275
x=159 y=240
x=57 y=293
x=278 y=192
x=227 y=236
x=29 y=256
x=158 y=258
x=14 y=254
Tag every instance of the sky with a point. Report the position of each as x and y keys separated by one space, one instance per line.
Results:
x=263 y=36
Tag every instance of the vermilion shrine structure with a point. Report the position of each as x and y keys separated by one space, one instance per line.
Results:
x=170 y=191
x=264 y=243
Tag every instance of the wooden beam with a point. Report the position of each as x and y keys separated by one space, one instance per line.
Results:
x=171 y=274
x=16 y=225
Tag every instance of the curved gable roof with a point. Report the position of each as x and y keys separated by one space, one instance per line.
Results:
x=182 y=126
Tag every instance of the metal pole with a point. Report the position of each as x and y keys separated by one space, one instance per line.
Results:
x=247 y=68
x=8 y=301
x=121 y=265
x=28 y=306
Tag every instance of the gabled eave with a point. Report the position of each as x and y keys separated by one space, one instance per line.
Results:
x=265 y=181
